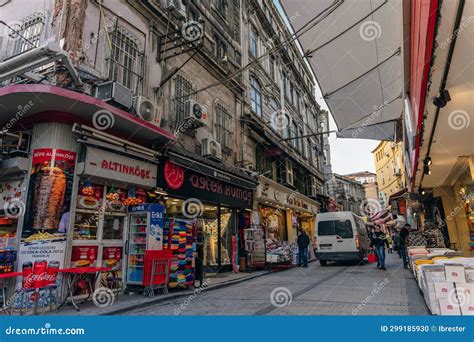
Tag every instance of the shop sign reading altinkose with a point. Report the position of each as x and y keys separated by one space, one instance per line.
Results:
x=43 y=238
x=109 y=165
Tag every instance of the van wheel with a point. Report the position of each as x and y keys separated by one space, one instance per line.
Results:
x=323 y=262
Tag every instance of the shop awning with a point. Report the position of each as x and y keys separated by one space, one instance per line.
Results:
x=354 y=47
x=23 y=104
x=378 y=215
x=397 y=195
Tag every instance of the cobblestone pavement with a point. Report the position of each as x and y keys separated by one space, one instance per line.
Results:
x=336 y=289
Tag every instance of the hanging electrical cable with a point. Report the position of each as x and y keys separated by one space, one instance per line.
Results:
x=305 y=28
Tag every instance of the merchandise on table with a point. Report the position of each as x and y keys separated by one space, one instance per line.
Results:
x=446 y=280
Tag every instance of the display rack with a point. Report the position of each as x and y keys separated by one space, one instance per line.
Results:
x=181 y=241
x=255 y=246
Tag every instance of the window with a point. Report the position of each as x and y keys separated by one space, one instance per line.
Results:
x=300 y=141
x=256 y=95
x=182 y=87
x=343 y=228
x=292 y=92
x=264 y=164
x=297 y=101
x=221 y=7
x=253 y=42
x=310 y=146
x=126 y=60
x=223 y=125
x=293 y=134
x=271 y=67
x=381 y=176
x=285 y=83
x=27 y=35
x=273 y=109
x=220 y=47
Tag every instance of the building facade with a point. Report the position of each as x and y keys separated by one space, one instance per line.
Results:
x=280 y=123
x=369 y=183
x=438 y=121
x=348 y=193
x=388 y=159
x=190 y=105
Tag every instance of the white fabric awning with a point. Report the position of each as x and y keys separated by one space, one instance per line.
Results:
x=354 y=47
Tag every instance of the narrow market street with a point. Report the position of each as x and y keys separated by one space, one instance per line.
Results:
x=336 y=289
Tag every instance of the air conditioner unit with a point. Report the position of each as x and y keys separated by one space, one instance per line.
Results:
x=197 y=113
x=211 y=149
x=114 y=93
x=145 y=109
x=176 y=7
x=288 y=172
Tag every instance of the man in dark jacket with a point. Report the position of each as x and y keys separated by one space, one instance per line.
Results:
x=404 y=232
x=378 y=240
x=303 y=242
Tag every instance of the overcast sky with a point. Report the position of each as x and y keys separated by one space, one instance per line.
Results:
x=348 y=155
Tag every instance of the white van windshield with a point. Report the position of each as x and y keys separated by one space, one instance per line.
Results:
x=343 y=228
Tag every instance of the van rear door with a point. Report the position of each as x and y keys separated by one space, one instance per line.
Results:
x=336 y=236
x=326 y=237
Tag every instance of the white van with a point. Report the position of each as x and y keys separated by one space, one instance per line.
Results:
x=340 y=235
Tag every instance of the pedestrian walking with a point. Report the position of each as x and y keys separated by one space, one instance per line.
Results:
x=378 y=242
x=396 y=243
x=303 y=243
x=404 y=232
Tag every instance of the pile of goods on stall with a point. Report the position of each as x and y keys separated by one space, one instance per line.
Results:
x=278 y=252
x=445 y=278
x=181 y=241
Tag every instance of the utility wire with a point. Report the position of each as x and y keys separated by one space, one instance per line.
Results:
x=305 y=28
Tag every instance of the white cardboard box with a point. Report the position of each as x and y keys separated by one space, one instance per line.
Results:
x=469 y=271
x=465 y=291
x=448 y=309
x=443 y=289
x=455 y=273
x=467 y=308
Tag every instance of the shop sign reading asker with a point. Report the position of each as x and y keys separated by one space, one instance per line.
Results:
x=105 y=164
x=184 y=182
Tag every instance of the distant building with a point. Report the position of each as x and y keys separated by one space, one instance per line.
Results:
x=390 y=173
x=348 y=193
x=370 y=185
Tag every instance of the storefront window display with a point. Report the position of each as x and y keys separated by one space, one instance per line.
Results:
x=209 y=217
x=213 y=198
x=274 y=223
